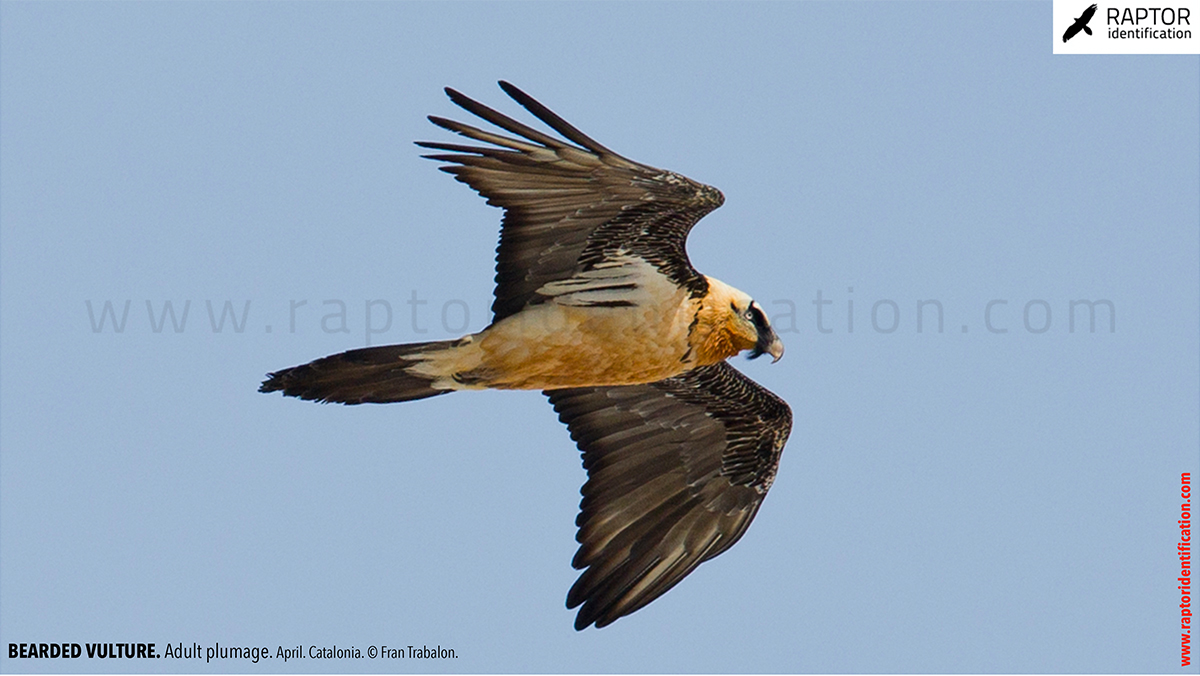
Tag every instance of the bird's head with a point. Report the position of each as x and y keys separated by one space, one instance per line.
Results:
x=737 y=323
x=753 y=331
x=765 y=339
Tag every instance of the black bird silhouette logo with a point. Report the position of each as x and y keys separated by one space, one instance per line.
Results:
x=1081 y=24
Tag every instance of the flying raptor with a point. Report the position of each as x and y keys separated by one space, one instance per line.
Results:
x=1081 y=24
x=597 y=305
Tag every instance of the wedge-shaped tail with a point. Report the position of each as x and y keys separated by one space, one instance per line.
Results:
x=371 y=375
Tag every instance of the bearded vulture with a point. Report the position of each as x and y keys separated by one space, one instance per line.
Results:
x=597 y=305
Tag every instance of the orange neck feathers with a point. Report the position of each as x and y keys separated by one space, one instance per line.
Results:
x=718 y=332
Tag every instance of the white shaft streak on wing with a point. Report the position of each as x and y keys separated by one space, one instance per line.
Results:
x=597 y=304
x=622 y=280
x=568 y=206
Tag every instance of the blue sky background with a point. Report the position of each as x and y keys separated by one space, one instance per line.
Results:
x=955 y=500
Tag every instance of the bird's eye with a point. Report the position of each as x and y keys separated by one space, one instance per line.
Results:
x=749 y=314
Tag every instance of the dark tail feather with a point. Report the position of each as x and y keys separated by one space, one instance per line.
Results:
x=374 y=375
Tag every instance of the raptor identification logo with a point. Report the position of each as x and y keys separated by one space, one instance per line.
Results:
x=1126 y=27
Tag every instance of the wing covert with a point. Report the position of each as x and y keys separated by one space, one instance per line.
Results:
x=676 y=471
x=569 y=204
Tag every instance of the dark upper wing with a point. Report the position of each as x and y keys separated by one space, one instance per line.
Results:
x=1087 y=14
x=676 y=471
x=570 y=205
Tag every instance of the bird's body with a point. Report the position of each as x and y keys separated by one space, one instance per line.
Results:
x=598 y=305
x=568 y=343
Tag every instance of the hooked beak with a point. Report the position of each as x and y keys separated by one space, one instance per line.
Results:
x=768 y=344
x=775 y=349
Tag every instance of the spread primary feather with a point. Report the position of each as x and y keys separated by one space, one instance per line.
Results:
x=597 y=304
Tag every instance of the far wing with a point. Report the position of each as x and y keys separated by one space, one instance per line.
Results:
x=676 y=471
x=571 y=204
